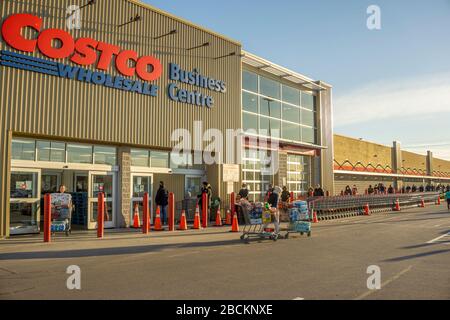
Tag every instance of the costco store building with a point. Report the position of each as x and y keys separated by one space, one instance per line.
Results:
x=94 y=107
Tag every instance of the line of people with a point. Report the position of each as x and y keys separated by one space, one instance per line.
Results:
x=381 y=189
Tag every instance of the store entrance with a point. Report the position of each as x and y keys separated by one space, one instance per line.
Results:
x=28 y=187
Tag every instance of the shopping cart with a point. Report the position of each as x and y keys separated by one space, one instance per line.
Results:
x=256 y=219
x=61 y=213
x=300 y=219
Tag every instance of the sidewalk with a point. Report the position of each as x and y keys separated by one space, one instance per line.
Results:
x=115 y=238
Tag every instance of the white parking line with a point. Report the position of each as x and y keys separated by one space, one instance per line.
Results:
x=438 y=238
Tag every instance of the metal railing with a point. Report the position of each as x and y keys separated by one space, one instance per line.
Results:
x=328 y=208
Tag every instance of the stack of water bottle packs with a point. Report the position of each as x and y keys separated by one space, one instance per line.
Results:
x=256 y=214
x=58 y=226
x=300 y=218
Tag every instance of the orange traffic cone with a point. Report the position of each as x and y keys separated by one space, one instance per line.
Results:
x=235 y=226
x=367 y=210
x=197 y=224
x=439 y=201
x=422 y=203
x=397 y=206
x=158 y=225
x=315 y=219
x=218 y=219
x=136 y=222
x=183 y=222
x=228 y=219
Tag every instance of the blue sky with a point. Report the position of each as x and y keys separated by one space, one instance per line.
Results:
x=390 y=84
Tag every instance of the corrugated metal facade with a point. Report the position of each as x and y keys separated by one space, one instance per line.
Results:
x=42 y=105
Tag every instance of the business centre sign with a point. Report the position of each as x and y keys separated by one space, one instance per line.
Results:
x=87 y=52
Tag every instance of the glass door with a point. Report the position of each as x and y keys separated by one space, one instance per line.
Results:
x=102 y=182
x=142 y=183
x=81 y=183
x=25 y=198
x=50 y=182
x=193 y=186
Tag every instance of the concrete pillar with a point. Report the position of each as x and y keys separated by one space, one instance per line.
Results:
x=430 y=167
x=124 y=207
x=397 y=162
x=325 y=137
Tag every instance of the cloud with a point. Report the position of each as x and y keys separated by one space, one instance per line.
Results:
x=421 y=95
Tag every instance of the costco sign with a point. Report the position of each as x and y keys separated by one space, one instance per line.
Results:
x=82 y=52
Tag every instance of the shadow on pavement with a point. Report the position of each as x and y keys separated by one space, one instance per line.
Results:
x=98 y=252
x=419 y=255
x=109 y=236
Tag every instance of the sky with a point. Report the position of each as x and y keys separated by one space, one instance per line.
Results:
x=388 y=84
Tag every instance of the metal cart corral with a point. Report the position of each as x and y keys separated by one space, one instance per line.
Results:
x=255 y=219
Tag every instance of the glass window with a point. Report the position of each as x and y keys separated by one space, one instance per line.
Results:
x=291 y=113
x=23 y=185
x=275 y=127
x=51 y=151
x=250 y=122
x=23 y=149
x=104 y=184
x=291 y=132
x=270 y=88
x=308 y=118
x=264 y=126
x=180 y=160
x=269 y=127
x=140 y=158
x=57 y=151
x=141 y=185
x=298 y=174
x=49 y=183
x=291 y=95
x=270 y=108
x=105 y=155
x=159 y=159
x=250 y=81
x=77 y=153
x=308 y=101
x=43 y=150
x=250 y=102
x=308 y=135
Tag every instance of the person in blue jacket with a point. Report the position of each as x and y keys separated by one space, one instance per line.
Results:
x=447 y=196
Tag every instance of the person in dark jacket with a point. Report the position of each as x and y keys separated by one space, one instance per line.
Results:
x=162 y=200
x=285 y=195
x=391 y=190
x=348 y=191
x=318 y=191
x=207 y=189
x=273 y=202
x=243 y=193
